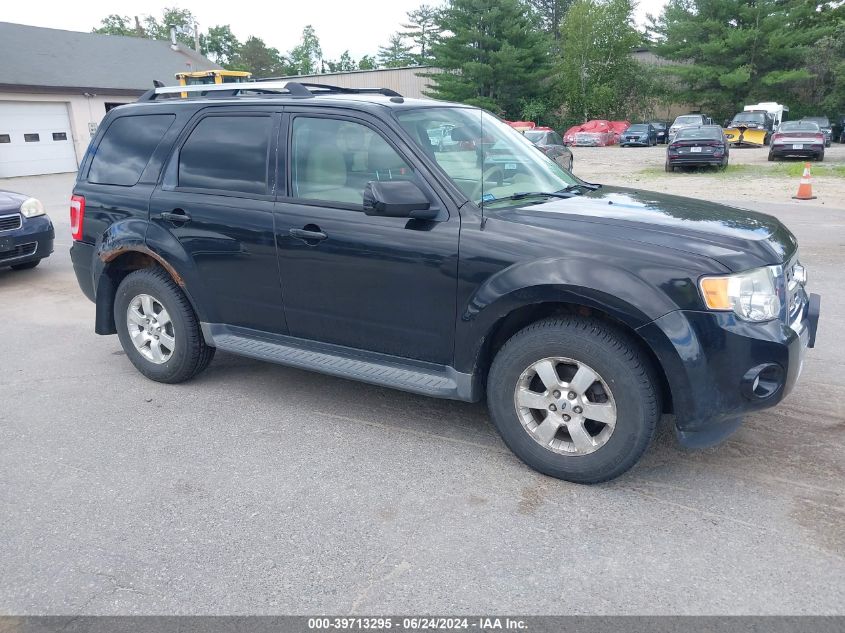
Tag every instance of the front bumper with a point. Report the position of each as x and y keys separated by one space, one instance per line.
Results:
x=710 y=359
x=31 y=242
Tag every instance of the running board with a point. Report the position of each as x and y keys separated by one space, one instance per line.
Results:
x=429 y=379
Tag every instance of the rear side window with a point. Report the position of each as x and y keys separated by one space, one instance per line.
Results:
x=127 y=147
x=227 y=153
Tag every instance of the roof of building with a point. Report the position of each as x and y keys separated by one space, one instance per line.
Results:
x=52 y=58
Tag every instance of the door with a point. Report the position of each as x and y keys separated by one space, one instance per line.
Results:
x=35 y=139
x=216 y=200
x=374 y=283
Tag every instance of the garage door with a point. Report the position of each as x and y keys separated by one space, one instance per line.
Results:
x=35 y=139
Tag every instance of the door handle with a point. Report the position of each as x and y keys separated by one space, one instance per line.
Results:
x=308 y=235
x=177 y=216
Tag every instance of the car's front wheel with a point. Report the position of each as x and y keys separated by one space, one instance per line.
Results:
x=574 y=398
x=158 y=329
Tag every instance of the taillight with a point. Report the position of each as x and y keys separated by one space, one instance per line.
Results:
x=77 y=215
x=777 y=137
x=820 y=138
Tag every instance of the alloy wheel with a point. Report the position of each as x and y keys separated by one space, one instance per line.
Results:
x=150 y=329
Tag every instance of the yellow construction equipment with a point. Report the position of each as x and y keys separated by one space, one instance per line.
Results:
x=749 y=128
x=200 y=77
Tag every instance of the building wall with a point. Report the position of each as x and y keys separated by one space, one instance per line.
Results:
x=83 y=112
x=408 y=81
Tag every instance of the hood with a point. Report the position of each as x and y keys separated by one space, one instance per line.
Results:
x=736 y=238
x=10 y=201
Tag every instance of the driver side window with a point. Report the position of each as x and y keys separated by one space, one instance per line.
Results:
x=332 y=160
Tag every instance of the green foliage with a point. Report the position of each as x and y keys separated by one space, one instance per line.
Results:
x=118 y=25
x=173 y=17
x=551 y=14
x=732 y=52
x=495 y=56
x=259 y=59
x=534 y=109
x=306 y=57
x=596 y=75
x=344 y=64
x=367 y=62
x=422 y=29
x=396 y=54
x=220 y=44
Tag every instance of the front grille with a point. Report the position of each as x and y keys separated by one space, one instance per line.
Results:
x=10 y=222
x=22 y=250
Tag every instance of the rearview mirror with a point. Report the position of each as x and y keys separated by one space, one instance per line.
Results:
x=397 y=199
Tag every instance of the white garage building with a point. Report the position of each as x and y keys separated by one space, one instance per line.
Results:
x=56 y=86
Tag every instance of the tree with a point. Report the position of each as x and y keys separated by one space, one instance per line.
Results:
x=367 y=62
x=494 y=57
x=220 y=44
x=396 y=53
x=180 y=19
x=732 y=52
x=306 y=58
x=551 y=14
x=344 y=64
x=597 y=76
x=115 y=25
x=422 y=29
x=259 y=59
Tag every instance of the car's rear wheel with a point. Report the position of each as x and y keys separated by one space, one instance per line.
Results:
x=771 y=157
x=820 y=156
x=26 y=266
x=574 y=398
x=669 y=167
x=158 y=328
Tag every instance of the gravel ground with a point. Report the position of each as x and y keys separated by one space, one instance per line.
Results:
x=262 y=489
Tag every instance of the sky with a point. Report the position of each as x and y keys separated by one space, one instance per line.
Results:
x=340 y=24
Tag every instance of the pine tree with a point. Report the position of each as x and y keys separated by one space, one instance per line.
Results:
x=422 y=30
x=495 y=56
x=396 y=53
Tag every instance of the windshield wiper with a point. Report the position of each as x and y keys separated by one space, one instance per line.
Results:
x=563 y=193
x=585 y=185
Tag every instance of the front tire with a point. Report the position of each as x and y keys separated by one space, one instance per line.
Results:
x=574 y=398
x=158 y=329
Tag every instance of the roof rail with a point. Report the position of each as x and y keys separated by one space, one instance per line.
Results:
x=293 y=88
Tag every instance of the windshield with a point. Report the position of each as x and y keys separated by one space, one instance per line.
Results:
x=750 y=117
x=689 y=119
x=699 y=132
x=485 y=158
x=799 y=126
x=821 y=120
x=637 y=128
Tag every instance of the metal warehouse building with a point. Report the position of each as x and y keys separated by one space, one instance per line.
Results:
x=408 y=81
x=56 y=86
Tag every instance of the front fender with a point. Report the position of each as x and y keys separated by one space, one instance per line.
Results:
x=615 y=291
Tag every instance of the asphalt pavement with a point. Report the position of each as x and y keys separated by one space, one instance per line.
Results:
x=258 y=489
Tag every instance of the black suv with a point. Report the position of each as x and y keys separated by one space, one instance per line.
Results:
x=322 y=228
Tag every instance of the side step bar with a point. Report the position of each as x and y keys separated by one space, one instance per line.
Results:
x=428 y=379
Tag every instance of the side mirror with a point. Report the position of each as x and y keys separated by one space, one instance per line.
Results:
x=397 y=199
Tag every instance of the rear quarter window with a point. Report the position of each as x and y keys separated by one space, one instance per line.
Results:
x=126 y=148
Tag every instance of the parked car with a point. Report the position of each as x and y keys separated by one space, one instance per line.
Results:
x=662 y=129
x=595 y=133
x=697 y=146
x=824 y=125
x=802 y=139
x=441 y=139
x=839 y=129
x=319 y=230
x=26 y=232
x=551 y=144
x=642 y=134
x=688 y=120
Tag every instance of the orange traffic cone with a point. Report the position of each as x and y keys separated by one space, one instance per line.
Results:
x=805 y=189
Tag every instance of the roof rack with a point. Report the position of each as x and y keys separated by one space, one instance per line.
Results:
x=302 y=90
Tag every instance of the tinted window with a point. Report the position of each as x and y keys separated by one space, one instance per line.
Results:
x=703 y=132
x=59 y=136
x=227 y=153
x=555 y=139
x=638 y=128
x=333 y=160
x=126 y=148
x=31 y=138
x=799 y=126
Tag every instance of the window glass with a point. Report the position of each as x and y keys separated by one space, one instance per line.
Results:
x=333 y=160
x=126 y=149
x=31 y=138
x=5 y=138
x=485 y=158
x=227 y=153
x=59 y=136
x=555 y=139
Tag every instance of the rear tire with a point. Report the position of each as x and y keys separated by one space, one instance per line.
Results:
x=545 y=361
x=668 y=167
x=771 y=157
x=820 y=157
x=26 y=266
x=181 y=352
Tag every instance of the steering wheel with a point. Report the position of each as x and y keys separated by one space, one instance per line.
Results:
x=486 y=176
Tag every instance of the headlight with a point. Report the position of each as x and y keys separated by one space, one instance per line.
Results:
x=32 y=207
x=751 y=295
